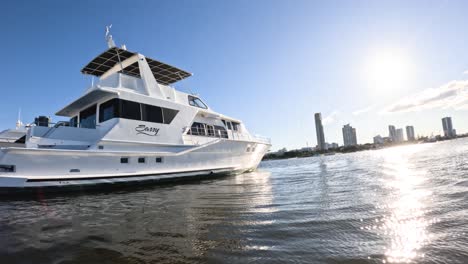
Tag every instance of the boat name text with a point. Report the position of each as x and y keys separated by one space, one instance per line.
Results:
x=149 y=131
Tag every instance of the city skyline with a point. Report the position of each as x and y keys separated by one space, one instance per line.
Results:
x=395 y=135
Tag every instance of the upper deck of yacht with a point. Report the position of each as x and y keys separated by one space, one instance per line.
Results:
x=121 y=60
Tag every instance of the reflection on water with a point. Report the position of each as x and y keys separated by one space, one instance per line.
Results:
x=406 y=223
x=397 y=205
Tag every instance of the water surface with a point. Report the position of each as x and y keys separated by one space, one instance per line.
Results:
x=401 y=204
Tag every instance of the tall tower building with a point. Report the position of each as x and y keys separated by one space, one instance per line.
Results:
x=349 y=135
x=448 y=127
x=400 y=137
x=410 y=133
x=319 y=131
x=392 y=133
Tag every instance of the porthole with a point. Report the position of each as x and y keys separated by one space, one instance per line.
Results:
x=123 y=160
x=159 y=160
x=141 y=160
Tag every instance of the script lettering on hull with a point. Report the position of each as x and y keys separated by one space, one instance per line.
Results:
x=145 y=130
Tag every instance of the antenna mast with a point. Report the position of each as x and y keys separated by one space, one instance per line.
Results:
x=110 y=41
x=19 y=124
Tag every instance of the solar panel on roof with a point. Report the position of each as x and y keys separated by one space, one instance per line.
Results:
x=163 y=73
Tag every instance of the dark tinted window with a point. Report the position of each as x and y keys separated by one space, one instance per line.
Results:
x=109 y=110
x=152 y=113
x=74 y=121
x=135 y=111
x=169 y=115
x=158 y=160
x=123 y=160
x=141 y=160
x=88 y=117
x=229 y=125
x=130 y=110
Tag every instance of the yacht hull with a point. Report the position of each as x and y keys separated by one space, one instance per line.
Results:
x=35 y=168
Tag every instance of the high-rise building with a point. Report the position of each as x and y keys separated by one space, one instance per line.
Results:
x=448 y=127
x=410 y=133
x=400 y=137
x=321 y=145
x=392 y=132
x=349 y=136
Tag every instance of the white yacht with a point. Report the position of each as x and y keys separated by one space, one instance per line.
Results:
x=130 y=126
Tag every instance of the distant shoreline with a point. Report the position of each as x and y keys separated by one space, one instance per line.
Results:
x=297 y=153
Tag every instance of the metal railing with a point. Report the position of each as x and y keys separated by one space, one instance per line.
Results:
x=262 y=139
x=218 y=133
x=208 y=132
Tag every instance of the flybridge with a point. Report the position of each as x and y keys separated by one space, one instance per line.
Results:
x=126 y=62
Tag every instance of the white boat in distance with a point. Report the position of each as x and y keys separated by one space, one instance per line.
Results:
x=130 y=126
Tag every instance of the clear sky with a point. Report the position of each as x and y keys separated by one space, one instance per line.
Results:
x=272 y=64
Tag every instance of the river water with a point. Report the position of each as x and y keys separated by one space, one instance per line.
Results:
x=400 y=204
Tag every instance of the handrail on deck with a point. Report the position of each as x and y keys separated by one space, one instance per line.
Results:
x=218 y=133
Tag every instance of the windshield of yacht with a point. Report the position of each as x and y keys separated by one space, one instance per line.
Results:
x=194 y=101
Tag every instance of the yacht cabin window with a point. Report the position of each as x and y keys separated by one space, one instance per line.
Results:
x=200 y=129
x=231 y=125
x=88 y=117
x=108 y=110
x=211 y=131
x=74 y=121
x=152 y=113
x=235 y=126
x=118 y=108
x=220 y=132
x=130 y=110
x=194 y=101
x=169 y=115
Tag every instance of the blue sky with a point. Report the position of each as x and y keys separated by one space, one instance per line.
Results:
x=272 y=64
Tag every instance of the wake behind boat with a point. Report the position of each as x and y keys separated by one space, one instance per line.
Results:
x=131 y=126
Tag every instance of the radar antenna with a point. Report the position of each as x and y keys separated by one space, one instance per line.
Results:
x=110 y=41
x=19 y=124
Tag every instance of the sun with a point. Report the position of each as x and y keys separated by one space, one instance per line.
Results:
x=388 y=69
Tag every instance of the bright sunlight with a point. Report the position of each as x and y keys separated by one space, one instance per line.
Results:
x=388 y=70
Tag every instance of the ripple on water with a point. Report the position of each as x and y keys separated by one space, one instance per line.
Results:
x=402 y=204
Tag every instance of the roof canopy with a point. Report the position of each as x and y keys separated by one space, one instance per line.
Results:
x=163 y=73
